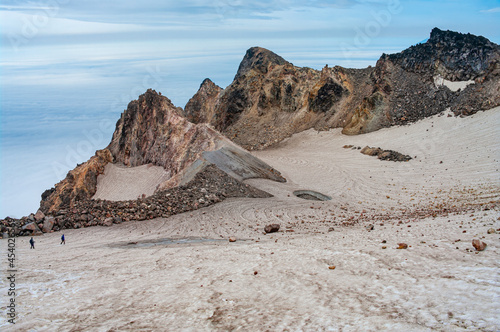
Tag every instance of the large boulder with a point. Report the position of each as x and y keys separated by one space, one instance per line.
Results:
x=48 y=223
x=32 y=227
x=39 y=216
x=272 y=228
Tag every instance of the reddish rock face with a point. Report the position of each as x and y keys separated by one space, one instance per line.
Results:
x=79 y=184
x=151 y=131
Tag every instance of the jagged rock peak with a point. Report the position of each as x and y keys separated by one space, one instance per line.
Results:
x=208 y=85
x=448 y=37
x=201 y=106
x=453 y=55
x=207 y=82
x=151 y=130
x=259 y=59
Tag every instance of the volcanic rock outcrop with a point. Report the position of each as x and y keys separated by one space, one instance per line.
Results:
x=271 y=99
x=201 y=109
x=152 y=132
x=79 y=184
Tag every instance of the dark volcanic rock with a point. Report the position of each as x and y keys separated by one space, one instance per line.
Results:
x=209 y=186
x=327 y=95
x=272 y=228
x=385 y=154
x=456 y=56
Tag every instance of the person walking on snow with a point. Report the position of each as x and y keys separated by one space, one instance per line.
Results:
x=32 y=242
x=63 y=240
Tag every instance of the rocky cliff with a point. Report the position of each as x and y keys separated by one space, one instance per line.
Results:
x=79 y=184
x=152 y=132
x=271 y=99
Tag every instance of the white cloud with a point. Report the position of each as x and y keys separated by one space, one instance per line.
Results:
x=492 y=10
x=45 y=23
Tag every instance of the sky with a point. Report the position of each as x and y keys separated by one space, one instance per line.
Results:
x=69 y=68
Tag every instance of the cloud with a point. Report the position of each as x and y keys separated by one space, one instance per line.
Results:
x=153 y=12
x=492 y=10
x=44 y=23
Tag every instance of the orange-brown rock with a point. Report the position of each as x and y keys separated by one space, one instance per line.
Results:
x=479 y=245
x=271 y=99
x=201 y=108
x=79 y=184
x=402 y=246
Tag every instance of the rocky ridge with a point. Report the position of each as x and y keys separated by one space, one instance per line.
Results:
x=271 y=99
x=455 y=56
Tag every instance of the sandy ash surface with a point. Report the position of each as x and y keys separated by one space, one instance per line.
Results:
x=136 y=277
x=120 y=183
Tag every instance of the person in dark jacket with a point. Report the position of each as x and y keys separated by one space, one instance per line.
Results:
x=32 y=242
x=63 y=240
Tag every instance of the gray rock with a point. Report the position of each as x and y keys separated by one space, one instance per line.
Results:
x=33 y=227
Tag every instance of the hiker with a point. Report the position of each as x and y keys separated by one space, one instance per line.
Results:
x=32 y=242
x=63 y=240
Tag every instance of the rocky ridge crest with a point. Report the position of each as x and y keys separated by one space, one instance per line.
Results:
x=271 y=99
x=152 y=132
